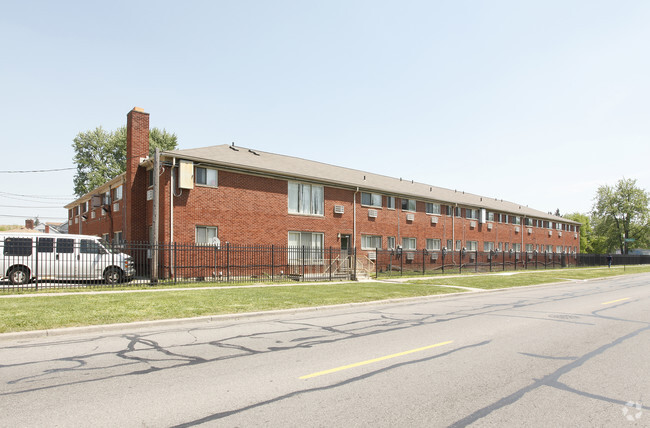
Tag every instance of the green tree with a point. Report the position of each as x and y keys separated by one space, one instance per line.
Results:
x=586 y=231
x=621 y=213
x=101 y=155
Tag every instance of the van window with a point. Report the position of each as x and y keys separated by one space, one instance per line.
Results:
x=18 y=247
x=45 y=245
x=88 y=246
x=65 y=245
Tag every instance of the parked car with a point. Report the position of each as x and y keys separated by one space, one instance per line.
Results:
x=27 y=256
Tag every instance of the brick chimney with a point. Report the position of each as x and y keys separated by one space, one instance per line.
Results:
x=29 y=224
x=137 y=148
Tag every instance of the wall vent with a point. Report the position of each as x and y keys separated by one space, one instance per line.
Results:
x=410 y=217
x=434 y=220
x=339 y=209
x=372 y=213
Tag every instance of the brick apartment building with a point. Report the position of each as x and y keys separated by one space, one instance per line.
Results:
x=233 y=194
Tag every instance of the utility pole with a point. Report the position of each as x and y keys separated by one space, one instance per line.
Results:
x=156 y=219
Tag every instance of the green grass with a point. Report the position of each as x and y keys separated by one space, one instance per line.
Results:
x=497 y=280
x=47 y=312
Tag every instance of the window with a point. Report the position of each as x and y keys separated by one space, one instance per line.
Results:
x=371 y=199
x=472 y=245
x=89 y=246
x=450 y=245
x=433 y=208
x=529 y=248
x=449 y=210
x=471 y=213
x=500 y=246
x=313 y=248
x=117 y=237
x=206 y=176
x=549 y=248
x=515 y=220
x=390 y=242
x=506 y=246
x=118 y=193
x=370 y=242
x=45 y=245
x=490 y=216
x=207 y=235
x=516 y=248
x=150 y=172
x=65 y=246
x=558 y=249
x=488 y=246
x=390 y=202
x=408 y=204
x=18 y=247
x=306 y=198
x=459 y=244
x=458 y=212
x=433 y=244
x=558 y=226
x=409 y=243
x=529 y=222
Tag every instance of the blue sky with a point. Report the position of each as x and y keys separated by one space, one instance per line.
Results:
x=538 y=103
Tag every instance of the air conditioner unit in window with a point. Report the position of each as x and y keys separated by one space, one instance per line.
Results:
x=372 y=256
x=530 y=230
x=410 y=256
x=434 y=220
x=550 y=233
x=410 y=217
x=339 y=209
x=559 y=234
x=116 y=206
x=516 y=229
x=372 y=213
x=575 y=236
x=472 y=224
x=489 y=226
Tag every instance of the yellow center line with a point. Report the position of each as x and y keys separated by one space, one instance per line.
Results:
x=374 y=360
x=614 y=301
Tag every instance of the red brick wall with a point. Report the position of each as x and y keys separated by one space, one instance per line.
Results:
x=135 y=188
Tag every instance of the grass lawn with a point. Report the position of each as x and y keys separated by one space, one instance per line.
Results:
x=47 y=312
x=36 y=312
x=510 y=279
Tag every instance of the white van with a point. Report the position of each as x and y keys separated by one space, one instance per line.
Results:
x=27 y=256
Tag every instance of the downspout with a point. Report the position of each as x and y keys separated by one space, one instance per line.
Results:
x=171 y=219
x=453 y=234
x=354 y=224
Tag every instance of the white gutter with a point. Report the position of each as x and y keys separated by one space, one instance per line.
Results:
x=354 y=224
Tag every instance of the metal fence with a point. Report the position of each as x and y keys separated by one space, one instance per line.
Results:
x=63 y=262
x=424 y=262
x=72 y=262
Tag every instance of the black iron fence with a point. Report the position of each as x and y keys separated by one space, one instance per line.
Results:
x=67 y=262
x=61 y=261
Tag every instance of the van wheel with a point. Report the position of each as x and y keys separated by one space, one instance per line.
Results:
x=113 y=275
x=18 y=275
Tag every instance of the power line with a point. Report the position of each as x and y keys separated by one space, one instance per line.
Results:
x=36 y=170
x=27 y=206
x=31 y=216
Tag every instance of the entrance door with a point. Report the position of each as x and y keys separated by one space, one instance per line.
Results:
x=345 y=249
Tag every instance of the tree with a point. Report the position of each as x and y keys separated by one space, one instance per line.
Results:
x=621 y=214
x=586 y=231
x=101 y=155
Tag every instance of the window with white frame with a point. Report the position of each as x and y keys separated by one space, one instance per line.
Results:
x=490 y=216
x=306 y=247
x=558 y=249
x=390 y=242
x=306 y=198
x=390 y=202
x=506 y=246
x=529 y=248
x=449 y=210
x=118 y=237
x=370 y=242
x=529 y=222
x=117 y=192
x=206 y=176
x=549 y=248
x=409 y=244
x=207 y=235
x=371 y=199
x=471 y=245
x=459 y=244
x=488 y=246
x=433 y=208
x=433 y=244
x=500 y=246
x=471 y=213
x=516 y=247
x=516 y=220
x=450 y=245
x=457 y=212
x=408 y=205
x=558 y=226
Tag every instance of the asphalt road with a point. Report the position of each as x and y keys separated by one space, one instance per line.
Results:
x=563 y=355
